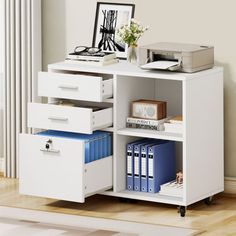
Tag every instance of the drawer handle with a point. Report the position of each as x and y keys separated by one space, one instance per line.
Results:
x=49 y=150
x=68 y=87
x=57 y=118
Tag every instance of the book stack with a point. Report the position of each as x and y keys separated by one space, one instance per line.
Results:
x=172 y=188
x=174 y=125
x=139 y=123
x=97 y=59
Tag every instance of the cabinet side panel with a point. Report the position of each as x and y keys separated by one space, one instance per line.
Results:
x=203 y=137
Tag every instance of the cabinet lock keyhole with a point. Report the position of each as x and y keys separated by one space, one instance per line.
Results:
x=47 y=145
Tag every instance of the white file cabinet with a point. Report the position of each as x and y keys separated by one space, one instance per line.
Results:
x=198 y=97
x=61 y=172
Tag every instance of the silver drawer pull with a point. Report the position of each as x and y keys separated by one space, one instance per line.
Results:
x=64 y=86
x=49 y=150
x=57 y=118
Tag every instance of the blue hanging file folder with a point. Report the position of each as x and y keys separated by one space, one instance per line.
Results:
x=109 y=145
x=104 y=146
x=93 y=142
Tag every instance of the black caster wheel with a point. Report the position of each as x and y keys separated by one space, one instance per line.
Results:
x=208 y=201
x=182 y=211
x=127 y=200
x=132 y=201
x=123 y=200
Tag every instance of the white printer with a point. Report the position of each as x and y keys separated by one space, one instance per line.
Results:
x=176 y=57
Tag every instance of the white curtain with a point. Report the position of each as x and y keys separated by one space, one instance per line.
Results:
x=22 y=62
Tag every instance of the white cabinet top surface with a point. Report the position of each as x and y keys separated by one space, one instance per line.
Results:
x=128 y=69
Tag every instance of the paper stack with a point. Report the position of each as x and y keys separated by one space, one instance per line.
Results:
x=174 y=125
x=172 y=188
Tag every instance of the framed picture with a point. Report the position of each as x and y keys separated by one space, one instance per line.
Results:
x=109 y=18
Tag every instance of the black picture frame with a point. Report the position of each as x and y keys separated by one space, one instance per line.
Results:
x=109 y=17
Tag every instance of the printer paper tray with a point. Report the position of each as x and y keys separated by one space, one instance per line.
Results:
x=161 y=65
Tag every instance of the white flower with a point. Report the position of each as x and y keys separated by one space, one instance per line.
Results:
x=131 y=33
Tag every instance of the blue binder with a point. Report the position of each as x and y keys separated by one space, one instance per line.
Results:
x=130 y=165
x=137 y=164
x=144 y=177
x=161 y=165
x=144 y=164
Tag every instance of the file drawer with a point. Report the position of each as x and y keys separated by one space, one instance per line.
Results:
x=60 y=172
x=65 y=118
x=77 y=87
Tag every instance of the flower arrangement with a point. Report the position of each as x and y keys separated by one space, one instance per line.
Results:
x=130 y=34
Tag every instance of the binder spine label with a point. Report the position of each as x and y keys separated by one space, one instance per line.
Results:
x=129 y=163
x=143 y=165
x=136 y=164
x=150 y=166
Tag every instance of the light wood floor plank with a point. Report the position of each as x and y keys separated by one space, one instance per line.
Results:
x=216 y=219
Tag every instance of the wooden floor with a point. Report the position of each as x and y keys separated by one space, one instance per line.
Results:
x=29 y=228
x=216 y=219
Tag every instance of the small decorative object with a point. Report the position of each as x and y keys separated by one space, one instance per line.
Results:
x=179 y=177
x=130 y=35
x=132 y=54
x=109 y=17
x=149 y=109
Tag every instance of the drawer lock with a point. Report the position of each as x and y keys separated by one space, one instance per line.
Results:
x=48 y=144
x=48 y=147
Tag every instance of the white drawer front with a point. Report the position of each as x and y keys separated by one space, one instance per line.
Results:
x=65 y=118
x=61 y=172
x=77 y=87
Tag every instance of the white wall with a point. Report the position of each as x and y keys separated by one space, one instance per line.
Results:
x=70 y=22
x=54 y=35
x=1 y=75
x=1 y=34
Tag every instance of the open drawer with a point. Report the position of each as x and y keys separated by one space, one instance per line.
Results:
x=60 y=172
x=72 y=86
x=65 y=118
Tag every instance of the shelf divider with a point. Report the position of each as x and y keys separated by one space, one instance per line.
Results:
x=152 y=197
x=150 y=134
